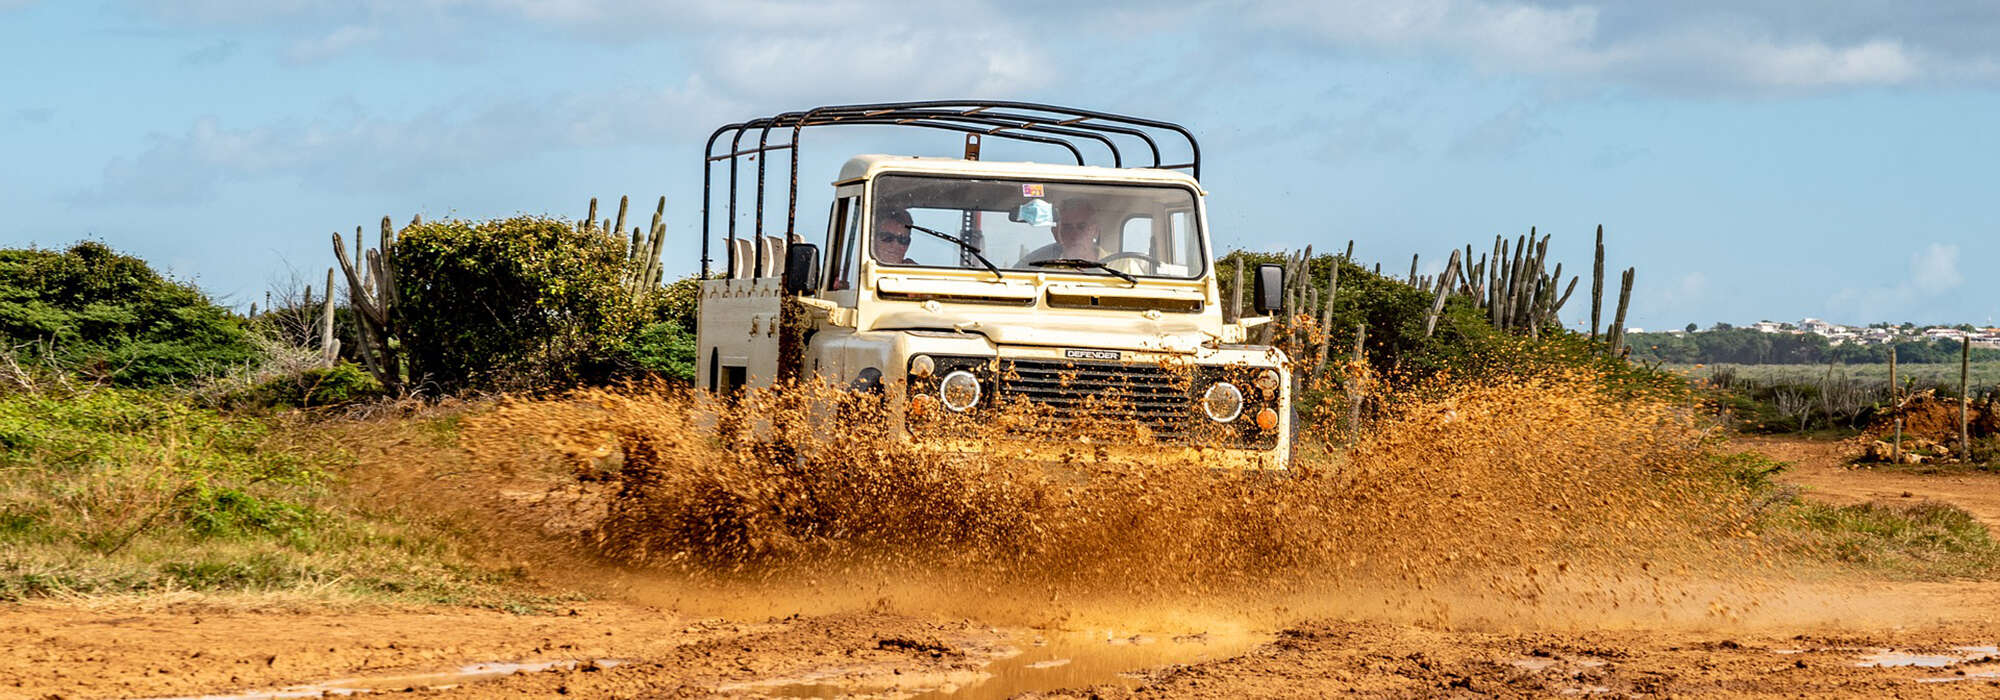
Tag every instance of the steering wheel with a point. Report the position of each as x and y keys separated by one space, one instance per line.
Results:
x=1152 y=263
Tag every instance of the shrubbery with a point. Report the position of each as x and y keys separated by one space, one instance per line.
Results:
x=318 y=386
x=1465 y=346
x=665 y=347
x=525 y=303
x=110 y=317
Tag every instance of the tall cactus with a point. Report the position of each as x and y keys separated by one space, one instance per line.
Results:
x=1617 y=329
x=643 y=257
x=1326 y=313
x=371 y=293
x=329 y=347
x=1597 y=284
x=1443 y=291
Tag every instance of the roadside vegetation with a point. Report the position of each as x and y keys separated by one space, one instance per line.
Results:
x=1919 y=540
x=109 y=490
x=152 y=440
x=1744 y=346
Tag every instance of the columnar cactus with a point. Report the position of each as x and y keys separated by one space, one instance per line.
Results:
x=371 y=292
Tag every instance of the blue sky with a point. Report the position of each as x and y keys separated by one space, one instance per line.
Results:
x=1754 y=160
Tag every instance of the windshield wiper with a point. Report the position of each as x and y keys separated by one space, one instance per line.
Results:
x=1075 y=263
x=968 y=248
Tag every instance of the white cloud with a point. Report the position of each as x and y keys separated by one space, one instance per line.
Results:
x=1521 y=32
x=1687 y=290
x=832 y=67
x=332 y=43
x=356 y=152
x=1505 y=134
x=803 y=51
x=1932 y=273
x=1934 y=270
x=1698 y=45
x=1726 y=48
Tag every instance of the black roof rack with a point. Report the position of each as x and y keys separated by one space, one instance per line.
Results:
x=1064 y=127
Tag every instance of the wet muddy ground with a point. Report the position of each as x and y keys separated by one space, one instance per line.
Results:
x=615 y=650
x=1839 y=637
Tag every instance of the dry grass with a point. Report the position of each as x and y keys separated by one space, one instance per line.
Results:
x=114 y=492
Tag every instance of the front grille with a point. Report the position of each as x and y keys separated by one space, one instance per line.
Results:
x=1066 y=394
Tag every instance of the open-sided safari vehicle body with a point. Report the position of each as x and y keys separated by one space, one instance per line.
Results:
x=1037 y=298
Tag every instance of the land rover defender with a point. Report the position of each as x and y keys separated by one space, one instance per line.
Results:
x=956 y=287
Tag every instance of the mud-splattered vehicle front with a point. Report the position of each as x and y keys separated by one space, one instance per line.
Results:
x=1074 y=309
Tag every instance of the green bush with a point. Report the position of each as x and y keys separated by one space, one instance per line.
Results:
x=110 y=317
x=338 y=385
x=101 y=467
x=1464 y=347
x=664 y=349
x=228 y=511
x=526 y=303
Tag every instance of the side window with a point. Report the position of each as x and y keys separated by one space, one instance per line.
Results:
x=840 y=243
x=1136 y=236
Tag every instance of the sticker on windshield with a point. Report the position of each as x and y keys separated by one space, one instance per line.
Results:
x=1032 y=191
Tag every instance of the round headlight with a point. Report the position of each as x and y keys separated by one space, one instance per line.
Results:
x=959 y=391
x=923 y=366
x=1267 y=419
x=1223 y=402
x=1267 y=381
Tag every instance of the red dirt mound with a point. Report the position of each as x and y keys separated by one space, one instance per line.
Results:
x=1935 y=418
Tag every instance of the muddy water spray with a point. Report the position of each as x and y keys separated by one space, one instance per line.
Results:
x=1509 y=485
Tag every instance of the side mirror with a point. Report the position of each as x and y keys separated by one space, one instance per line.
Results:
x=1270 y=296
x=801 y=269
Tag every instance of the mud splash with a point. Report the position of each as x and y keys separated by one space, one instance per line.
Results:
x=1509 y=488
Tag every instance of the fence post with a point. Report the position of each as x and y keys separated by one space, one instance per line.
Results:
x=1895 y=406
x=1964 y=397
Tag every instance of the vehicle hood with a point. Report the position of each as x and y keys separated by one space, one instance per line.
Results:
x=1172 y=333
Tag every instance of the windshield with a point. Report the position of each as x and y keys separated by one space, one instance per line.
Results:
x=1141 y=230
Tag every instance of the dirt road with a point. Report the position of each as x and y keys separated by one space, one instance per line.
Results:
x=1682 y=637
x=1822 y=468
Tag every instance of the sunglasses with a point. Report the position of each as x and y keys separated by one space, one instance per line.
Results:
x=887 y=237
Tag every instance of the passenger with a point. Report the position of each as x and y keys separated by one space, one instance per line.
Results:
x=1075 y=232
x=892 y=236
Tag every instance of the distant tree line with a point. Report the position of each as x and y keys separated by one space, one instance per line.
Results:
x=1752 y=347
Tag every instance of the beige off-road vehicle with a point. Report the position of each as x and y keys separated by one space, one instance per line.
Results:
x=958 y=289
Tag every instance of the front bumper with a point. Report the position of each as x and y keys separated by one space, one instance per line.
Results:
x=1104 y=454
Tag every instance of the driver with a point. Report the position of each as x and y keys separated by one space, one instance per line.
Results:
x=1075 y=232
x=892 y=236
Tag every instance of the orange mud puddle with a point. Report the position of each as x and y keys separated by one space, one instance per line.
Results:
x=1819 y=638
